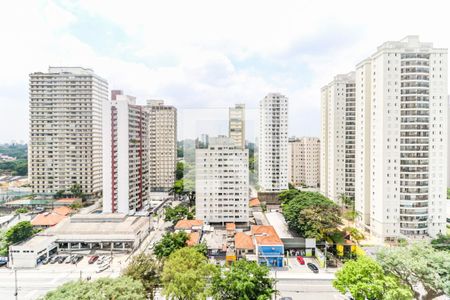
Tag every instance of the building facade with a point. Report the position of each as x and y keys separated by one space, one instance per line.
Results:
x=402 y=134
x=273 y=143
x=162 y=131
x=65 y=146
x=338 y=137
x=304 y=161
x=222 y=182
x=125 y=162
x=236 y=125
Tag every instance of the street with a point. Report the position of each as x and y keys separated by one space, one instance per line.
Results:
x=307 y=289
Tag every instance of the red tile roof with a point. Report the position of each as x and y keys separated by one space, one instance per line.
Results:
x=188 y=224
x=194 y=238
x=230 y=226
x=47 y=219
x=68 y=200
x=243 y=241
x=62 y=210
x=254 y=202
x=266 y=235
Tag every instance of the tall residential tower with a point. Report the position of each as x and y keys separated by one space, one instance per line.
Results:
x=304 y=161
x=236 y=126
x=65 y=145
x=402 y=134
x=125 y=155
x=273 y=143
x=338 y=137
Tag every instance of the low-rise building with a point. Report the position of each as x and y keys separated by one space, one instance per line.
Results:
x=189 y=225
x=27 y=253
x=268 y=245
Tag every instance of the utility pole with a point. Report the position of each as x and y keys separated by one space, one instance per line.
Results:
x=326 y=256
x=81 y=273
x=15 y=285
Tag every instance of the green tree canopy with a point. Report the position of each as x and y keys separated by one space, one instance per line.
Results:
x=365 y=279
x=18 y=233
x=305 y=223
x=243 y=280
x=318 y=221
x=144 y=268
x=442 y=242
x=418 y=265
x=170 y=243
x=121 y=288
x=177 y=213
x=76 y=190
x=186 y=275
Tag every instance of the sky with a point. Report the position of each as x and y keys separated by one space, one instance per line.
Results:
x=201 y=55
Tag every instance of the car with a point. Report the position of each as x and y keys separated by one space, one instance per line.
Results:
x=93 y=259
x=313 y=267
x=101 y=259
x=62 y=259
x=300 y=260
x=286 y=298
x=69 y=259
x=46 y=260
x=77 y=259
x=54 y=259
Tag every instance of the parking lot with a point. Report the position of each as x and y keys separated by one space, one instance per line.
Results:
x=296 y=267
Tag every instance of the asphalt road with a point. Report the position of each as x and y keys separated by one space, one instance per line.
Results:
x=306 y=289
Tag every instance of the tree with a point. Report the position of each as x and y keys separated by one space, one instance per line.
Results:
x=59 y=194
x=318 y=221
x=144 y=268
x=186 y=274
x=294 y=202
x=170 y=243
x=76 y=190
x=418 y=265
x=365 y=279
x=22 y=210
x=121 y=288
x=243 y=280
x=442 y=242
x=18 y=233
x=177 y=213
x=201 y=248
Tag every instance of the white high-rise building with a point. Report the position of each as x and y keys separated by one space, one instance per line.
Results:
x=222 y=182
x=338 y=137
x=402 y=135
x=304 y=161
x=65 y=145
x=125 y=155
x=162 y=130
x=236 y=125
x=273 y=143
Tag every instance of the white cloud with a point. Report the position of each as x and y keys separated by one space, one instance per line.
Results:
x=200 y=53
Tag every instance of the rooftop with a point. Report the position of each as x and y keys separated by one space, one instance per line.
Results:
x=188 y=224
x=230 y=226
x=266 y=235
x=36 y=241
x=276 y=219
x=194 y=238
x=243 y=241
x=62 y=210
x=254 y=202
x=68 y=200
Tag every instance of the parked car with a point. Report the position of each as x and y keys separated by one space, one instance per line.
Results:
x=77 y=259
x=313 y=267
x=62 y=259
x=101 y=259
x=69 y=259
x=54 y=259
x=93 y=259
x=300 y=260
x=46 y=260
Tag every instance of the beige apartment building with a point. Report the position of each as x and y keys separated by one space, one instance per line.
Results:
x=162 y=131
x=236 y=125
x=65 y=146
x=304 y=161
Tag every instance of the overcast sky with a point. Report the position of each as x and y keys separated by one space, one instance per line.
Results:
x=204 y=54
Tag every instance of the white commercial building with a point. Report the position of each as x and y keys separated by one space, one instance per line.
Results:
x=125 y=155
x=337 y=174
x=162 y=131
x=65 y=145
x=304 y=161
x=222 y=182
x=402 y=136
x=273 y=143
x=236 y=125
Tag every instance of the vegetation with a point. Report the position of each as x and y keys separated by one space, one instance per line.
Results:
x=243 y=280
x=310 y=214
x=179 y=172
x=145 y=269
x=364 y=278
x=18 y=233
x=76 y=191
x=177 y=213
x=22 y=210
x=170 y=243
x=185 y=275
x=18 y=167
x=442 y=242
x=121 y=288
x=418 y=265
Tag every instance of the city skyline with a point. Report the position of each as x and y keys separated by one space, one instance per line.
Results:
x=240 y=62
